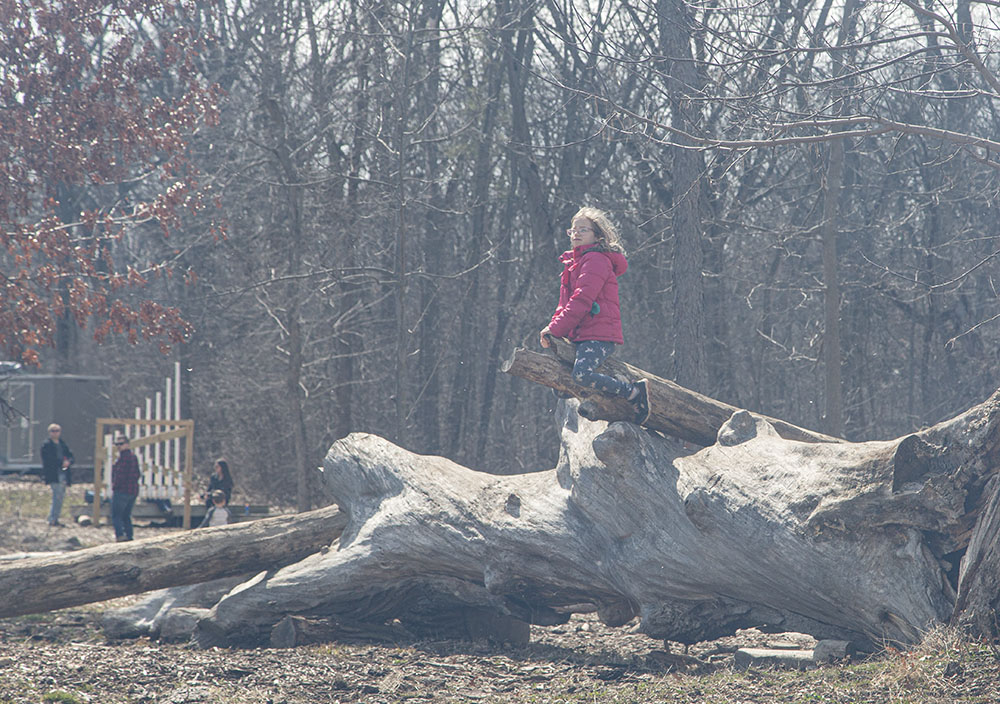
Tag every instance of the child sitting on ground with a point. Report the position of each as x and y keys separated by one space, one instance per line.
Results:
x=218 y=514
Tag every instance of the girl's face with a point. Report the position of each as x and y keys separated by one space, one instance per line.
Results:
x=218 y=469
x=582 y=233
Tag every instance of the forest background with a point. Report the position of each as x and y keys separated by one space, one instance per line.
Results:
x=806 y=189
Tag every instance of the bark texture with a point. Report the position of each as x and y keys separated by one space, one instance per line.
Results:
x=838 y=540
x=674 y=410
x=117 y=569
x=978 y=603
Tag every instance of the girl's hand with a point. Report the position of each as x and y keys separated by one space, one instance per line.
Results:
x=543 y=339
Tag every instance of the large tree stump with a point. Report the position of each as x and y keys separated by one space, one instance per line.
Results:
x=839 y=540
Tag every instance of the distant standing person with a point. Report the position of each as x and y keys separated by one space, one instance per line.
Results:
x=220 y=480
x=124 y=489
x=56 y=462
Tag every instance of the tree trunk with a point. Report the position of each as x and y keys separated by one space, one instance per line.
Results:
x=838 y=540
x=674 y=409
x=287 y=236
x=833 y=415
x=104 y=572
x=688 y=166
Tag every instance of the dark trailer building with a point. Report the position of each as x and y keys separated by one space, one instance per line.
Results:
x=73 y=401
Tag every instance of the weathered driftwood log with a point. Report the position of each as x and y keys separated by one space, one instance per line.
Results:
x=978 y=603
x=674 y=410
x=118 y=569
x=155 y=614
x=839 y=540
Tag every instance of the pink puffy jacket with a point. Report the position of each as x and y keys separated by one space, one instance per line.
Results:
x=589 y=276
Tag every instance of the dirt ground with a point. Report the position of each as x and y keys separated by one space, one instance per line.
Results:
x=64 y=657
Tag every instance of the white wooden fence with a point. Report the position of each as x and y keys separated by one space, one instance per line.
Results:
x=162 y=442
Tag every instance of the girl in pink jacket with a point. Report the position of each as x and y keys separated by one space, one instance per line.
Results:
x=588 y=312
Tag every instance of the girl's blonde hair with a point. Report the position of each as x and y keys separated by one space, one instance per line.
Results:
x=605 y=230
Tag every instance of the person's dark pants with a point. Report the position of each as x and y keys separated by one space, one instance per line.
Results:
x=121 y=515
x=589 y=356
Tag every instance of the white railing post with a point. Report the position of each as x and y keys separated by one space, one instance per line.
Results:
x=108 y=460
x=158 y=411
x=177 y=416
x=168 y=415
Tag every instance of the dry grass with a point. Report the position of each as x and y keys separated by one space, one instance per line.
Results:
x=23 y=498
x=65 y=653
x=945 y=667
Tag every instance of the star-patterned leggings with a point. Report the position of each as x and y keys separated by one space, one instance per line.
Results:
x=589 y=355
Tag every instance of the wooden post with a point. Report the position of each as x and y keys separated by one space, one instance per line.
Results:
x=157 y=414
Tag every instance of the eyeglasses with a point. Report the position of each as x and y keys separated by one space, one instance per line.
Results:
x=120 y=442
x=578 y=230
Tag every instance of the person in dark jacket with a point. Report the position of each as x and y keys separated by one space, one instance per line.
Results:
x=124 y=489
x=56 y=462
x=220 y=480
x=588 y=313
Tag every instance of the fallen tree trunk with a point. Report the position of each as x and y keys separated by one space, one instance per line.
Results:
x=674 y=410
x=850 y=541
x=861 y=542
x=118 y=569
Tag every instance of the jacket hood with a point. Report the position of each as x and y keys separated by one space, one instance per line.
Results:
x=618 y=262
